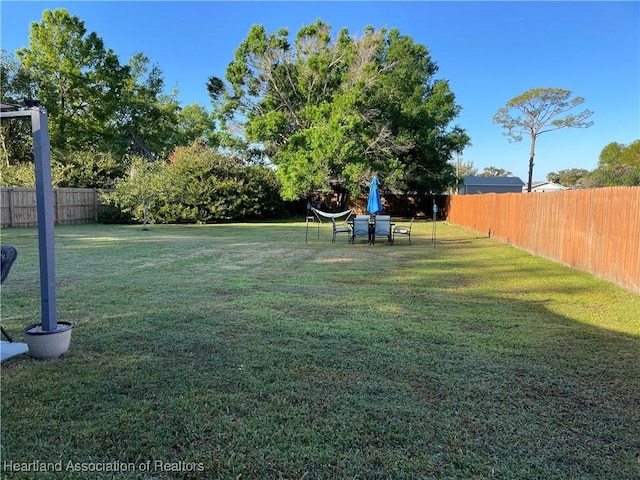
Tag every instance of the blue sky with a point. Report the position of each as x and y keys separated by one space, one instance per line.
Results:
x=489 y=52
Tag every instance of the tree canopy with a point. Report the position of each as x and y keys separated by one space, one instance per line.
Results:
x=100 y=111
x=570 y=178
x=74 y=76
x=495 y=172
x=618 y=165
x=95 y=103
x=332 y=113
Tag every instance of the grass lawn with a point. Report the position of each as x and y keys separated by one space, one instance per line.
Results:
x=241 y=351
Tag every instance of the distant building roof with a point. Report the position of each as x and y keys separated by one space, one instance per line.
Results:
x=494 y=181
x=545 y=187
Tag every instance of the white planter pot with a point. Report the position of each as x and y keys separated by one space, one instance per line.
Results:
x=48 y=345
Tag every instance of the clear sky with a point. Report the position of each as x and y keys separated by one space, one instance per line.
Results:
x=490 y=52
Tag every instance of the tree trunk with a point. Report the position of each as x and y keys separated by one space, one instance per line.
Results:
x=144 y=215
x=532 y=154
x=3 y=147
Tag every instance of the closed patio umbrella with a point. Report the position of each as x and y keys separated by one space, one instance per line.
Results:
x=374 y=205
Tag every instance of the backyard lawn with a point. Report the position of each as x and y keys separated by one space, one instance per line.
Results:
x=239 y=351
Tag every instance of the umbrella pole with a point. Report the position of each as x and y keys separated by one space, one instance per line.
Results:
x=433 y=233
x=433 y=230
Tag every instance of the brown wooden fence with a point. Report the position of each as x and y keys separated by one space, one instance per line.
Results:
x=595 y=230
x=71 y=205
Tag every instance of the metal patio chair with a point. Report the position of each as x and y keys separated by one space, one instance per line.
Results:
x=382 y=228
x=361 y=228
x=400 y=230
x=340 y=229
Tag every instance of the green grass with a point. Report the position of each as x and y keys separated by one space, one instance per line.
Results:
x=243 y=350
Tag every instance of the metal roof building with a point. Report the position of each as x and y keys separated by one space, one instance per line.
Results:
x=476 y=185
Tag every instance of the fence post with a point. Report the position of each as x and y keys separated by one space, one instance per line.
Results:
x=95 y=205
x=12 y=222
x=56 y=197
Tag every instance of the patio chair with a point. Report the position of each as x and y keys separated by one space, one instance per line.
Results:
x=341 y=229
x=361 y=228
x=402 y=231
x=382 y=228
x=9 y=255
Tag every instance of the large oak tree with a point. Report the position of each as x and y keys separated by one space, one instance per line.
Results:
x=331 y=113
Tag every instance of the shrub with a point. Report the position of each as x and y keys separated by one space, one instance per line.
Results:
x=214 y=187
x=86 y=169
x=18 y=175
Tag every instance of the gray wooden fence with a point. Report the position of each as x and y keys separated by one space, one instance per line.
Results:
x=71 y=206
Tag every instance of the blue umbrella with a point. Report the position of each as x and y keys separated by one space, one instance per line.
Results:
x=374 y=206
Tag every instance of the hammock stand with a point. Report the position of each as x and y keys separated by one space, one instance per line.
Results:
x=319 y=214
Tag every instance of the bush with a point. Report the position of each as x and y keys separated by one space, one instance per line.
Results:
x=18 y=175
x=86 y=169
x=213 y=187
x=199 y=185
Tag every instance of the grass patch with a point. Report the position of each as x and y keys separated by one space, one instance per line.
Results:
x=246 y=352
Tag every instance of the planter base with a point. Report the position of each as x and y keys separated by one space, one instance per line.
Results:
x=48 y=345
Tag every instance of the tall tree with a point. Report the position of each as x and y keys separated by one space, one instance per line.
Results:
x=145 y=118
x=195 y=124
x=536 y=112
x=75 y=77
x=98 y=107
x=332 y=113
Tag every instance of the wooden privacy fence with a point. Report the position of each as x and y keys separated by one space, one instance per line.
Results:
x=595 y=230
x=71 y=205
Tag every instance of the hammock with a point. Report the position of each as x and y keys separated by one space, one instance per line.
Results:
x=320 y=213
